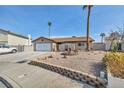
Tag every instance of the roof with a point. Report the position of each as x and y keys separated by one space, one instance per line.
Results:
x=71 y=39
x=12 y=33
x=67 y=39
x=43 y=38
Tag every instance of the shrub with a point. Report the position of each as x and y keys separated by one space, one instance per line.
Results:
x=115 y=63
x=114 y=47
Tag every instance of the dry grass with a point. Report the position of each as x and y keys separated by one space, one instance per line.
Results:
x=115 y=63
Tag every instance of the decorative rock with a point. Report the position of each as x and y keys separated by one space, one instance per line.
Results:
x=72 y=74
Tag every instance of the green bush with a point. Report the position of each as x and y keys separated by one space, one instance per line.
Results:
x=114 y=47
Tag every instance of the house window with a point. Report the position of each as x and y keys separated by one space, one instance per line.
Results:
x=81 y=44
x=42 y=40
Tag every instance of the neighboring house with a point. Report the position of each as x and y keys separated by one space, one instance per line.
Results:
x=108 y=42
x=60 y=44
x=13 y=39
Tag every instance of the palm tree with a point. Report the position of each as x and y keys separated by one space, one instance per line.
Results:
x=49 y=24
x=102 y=37
x=88 y=24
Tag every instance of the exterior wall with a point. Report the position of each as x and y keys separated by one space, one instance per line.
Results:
x=15 y=40
x=122 y=46
x=73 y=46
x=3 y=38
x=107 y=44
x=42 y=40
x=54 y=47
x=28 y=48
x=98 y=46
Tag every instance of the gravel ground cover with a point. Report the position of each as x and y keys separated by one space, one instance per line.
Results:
x=87 y=62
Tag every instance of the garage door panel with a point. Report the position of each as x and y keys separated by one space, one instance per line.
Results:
x=43 y=47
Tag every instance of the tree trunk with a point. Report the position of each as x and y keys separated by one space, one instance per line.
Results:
x=49 y=32
x=102 y=39
x=88 y=28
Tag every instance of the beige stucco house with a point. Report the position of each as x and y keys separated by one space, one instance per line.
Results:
x=60 y=44
x=13 y=39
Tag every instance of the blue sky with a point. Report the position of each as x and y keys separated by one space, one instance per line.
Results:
x=66 y=20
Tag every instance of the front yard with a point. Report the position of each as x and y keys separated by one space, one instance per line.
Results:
x=87 y=62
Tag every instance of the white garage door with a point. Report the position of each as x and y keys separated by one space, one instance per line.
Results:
x=43 y=47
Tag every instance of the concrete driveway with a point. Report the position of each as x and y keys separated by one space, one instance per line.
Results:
x=14 y=57
x=27 y=76
x=10 y=59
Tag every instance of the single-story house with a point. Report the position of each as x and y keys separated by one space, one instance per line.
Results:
x=60 y=44
x=108 y=42
x=13 y=39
